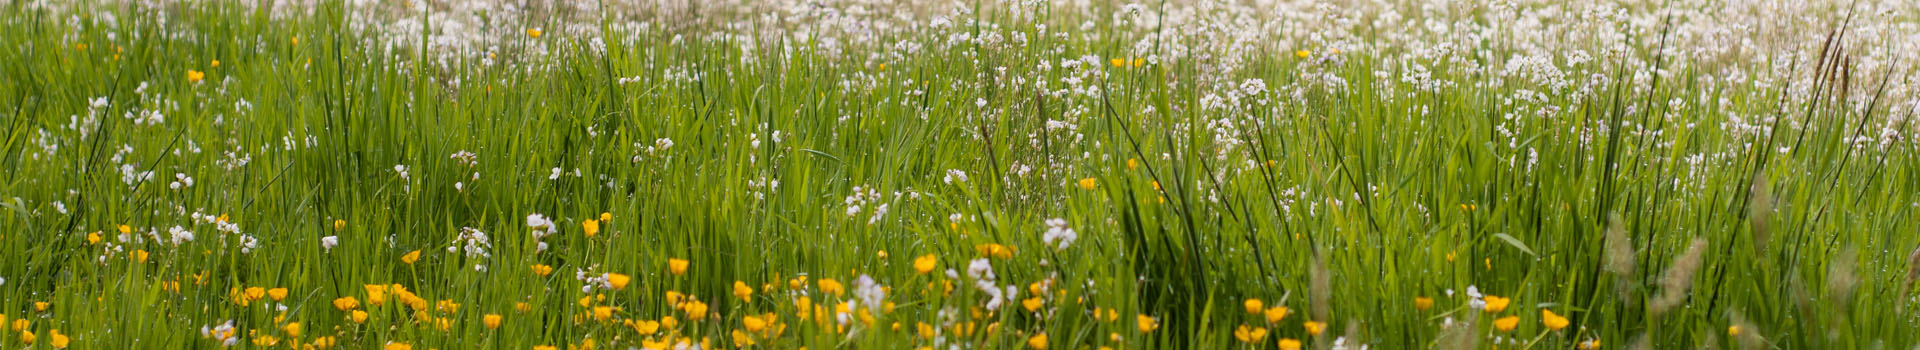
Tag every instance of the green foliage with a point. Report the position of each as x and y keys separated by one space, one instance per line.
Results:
x=759 y=164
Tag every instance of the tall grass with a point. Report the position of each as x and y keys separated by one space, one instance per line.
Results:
x=1650 y=202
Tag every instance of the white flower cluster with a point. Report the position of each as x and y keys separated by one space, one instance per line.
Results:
x=867 y=196
x=867 y=294
x=955 y=175
x=224 y=333
x=180 y=180
x=981 y=272
x=540 y=227
x=465 y=158
x=1058 y=235
x=473 y=242
x=1475 y=300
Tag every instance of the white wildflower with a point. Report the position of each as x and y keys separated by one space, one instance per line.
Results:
x=541 y=226
x=955 y=175
x=869 y=292
x=1058 y=234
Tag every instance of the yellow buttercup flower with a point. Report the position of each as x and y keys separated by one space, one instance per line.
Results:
x=1422 y=303
x=590 y=227
x=1314 y=327
x=411 y=257
x=924 y=330
x=194 y=76
x=830 y=286
x=1147 y=323
x=323 y=342
x=742 y=339
x=602 y=313
x=803 y=306
x=1088 y=183
x=754 y=323
x=542 y=269
x=1254 y=306
x=619 y=281
x=376 y=294
x=278 y=294
x=57 y=340
x=339 y=224
x=533 y=33
x=743 y=291
x=293 y=329
x=654 y=344
x=995 y=250
x=358 y=316
x=492 y=320
x=346 y=303
x=696 y=310
x=1302 y=53
x=1038 y=341
x=397 y=346
x=1289 y=344
x=1275 y=314
x=646 y=327
x=1497 y=304
x=925 y=263
x=1033 y=304
x=677 y=266
x=1249 y=334
x=1506 y=324
x=1551 y=320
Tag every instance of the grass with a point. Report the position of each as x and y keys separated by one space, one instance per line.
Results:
x=786 y=166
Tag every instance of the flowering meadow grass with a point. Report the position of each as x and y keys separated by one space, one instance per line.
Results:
x=857 y=174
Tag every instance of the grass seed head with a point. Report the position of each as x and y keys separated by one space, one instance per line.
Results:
x=1620 y=257
x=1679 y=277
x=1760 y=213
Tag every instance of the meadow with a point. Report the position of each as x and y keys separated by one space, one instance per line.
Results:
x=995 y=174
